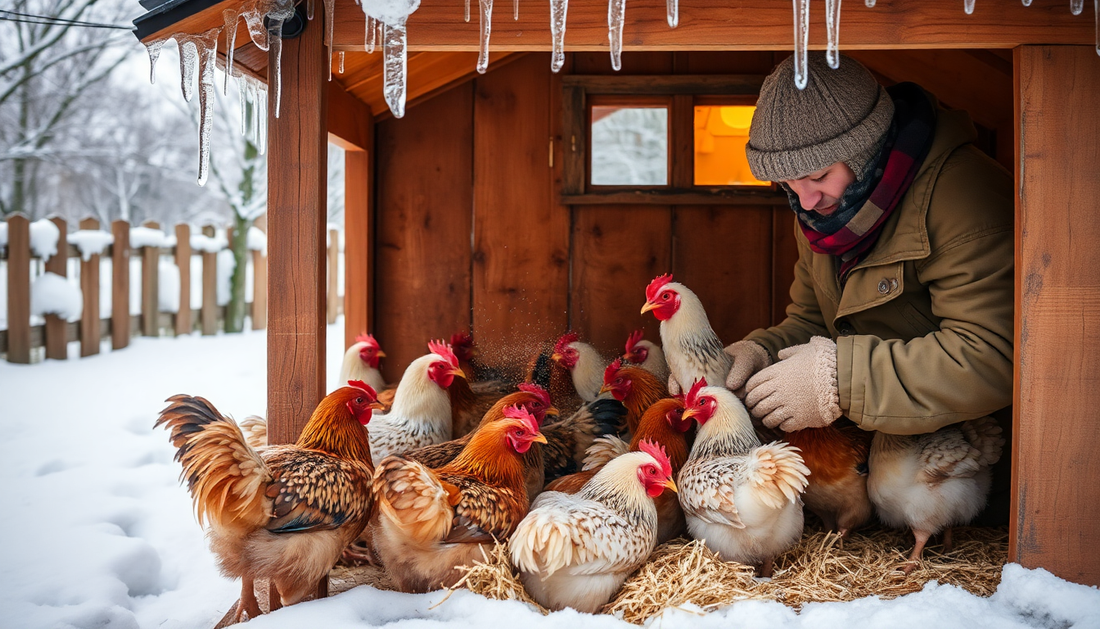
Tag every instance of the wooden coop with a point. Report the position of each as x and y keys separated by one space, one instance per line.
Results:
x=476 y=209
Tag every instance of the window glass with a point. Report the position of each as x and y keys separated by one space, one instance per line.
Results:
x=721 y=133
x=629 y=146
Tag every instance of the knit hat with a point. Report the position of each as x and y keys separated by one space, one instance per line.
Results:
x=841 y=116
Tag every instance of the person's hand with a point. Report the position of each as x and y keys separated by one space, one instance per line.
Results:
x=749 y=357
x=800 y=390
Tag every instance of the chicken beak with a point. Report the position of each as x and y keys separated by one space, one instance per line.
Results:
x=671 y=484
x=605 y=388
x=377 y=405
x=552 y=412
x=539 y=438
x=556 y=357
x=649 y=305
x=689 y=413
x=380 y=354
x=458 y=372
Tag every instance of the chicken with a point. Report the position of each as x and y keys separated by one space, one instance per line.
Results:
x=549 y=374
x=577 y=550
x=635 y=387
x=691 y=347
x=421 y=411
x=743 y=498
x=584 y=363
x=361 y=362
x=284 y=514
x=568 y=439
x=647 y=355
x=929 y=483
x=662 y=424
x=432 y=521
x=836 y=456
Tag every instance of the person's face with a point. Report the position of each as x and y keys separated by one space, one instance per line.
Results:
x=821 y=191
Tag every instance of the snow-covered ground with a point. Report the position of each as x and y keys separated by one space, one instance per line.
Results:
x=99 y=533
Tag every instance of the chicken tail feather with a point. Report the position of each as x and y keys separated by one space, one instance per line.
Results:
x=778 y=472
x=413 y=498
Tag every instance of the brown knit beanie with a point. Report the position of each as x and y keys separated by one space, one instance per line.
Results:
x=841 y=116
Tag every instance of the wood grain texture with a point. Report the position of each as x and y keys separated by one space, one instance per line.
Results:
x=332 y=305
x=150 y=275
x=19 y=290
x=56 y=328
x=259 y=290
x=296 y=223
x=121 y=324
x=784 y=257
x=521 y=234
x=89 y=286
x=350 y=122
x=359 y=243
x=183 y=263
x=209 y=316
x=1057 y=382
x=424 y=213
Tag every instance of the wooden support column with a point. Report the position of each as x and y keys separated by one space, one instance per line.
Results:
x=296 y=217
x=209 y=287
x=57 y=329
x=19 y=289
x=1056 y=509
x=120 y=285
x=150 y=286
x=183 y=263
x=89 y=286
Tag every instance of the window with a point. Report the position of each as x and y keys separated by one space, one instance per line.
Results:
x=629 y=146
x=721 y=133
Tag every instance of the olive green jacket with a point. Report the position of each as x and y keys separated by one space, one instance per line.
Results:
x=923 y=326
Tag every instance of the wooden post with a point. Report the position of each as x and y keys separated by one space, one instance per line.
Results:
x=358 y=243
x=90 y=332
x=150 y=297
x=333 y=275
x=120 y=285
x=297 y=180
x=209 y=287
x=183 y=263
x=57 y=346
x=259 y=290
x=19 y=289
x=1056 y=500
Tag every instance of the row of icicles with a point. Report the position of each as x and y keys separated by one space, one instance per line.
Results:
x=200 y=52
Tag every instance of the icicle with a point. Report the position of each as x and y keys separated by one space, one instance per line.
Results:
x=208 y=54
x=340 y=56
x=276 y=78
x=466 y=15
x=515 y=10
x=558 y=10
x=154 y=53
x=255 y=22
x=871 y=3
x=616 y=13
x=801 y=41
x=394 y=60
x=486 y=21
x=188 y=61
x=230 y=17
x=832 y=25
x=330 y=15
x=1076 y=6
x=672 y=12
x=309 y=9
x=372 y=32
x=1027 y=3
x=260 y=116
x=968 y=6
x=242 y=98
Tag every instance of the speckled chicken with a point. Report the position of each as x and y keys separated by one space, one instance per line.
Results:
x=584 y=363
x=929 y=483
x=432 y=521
x=836 y=456
x=743 y=498
x=635 y=387
x=691 y=347
x=286 y=513
x=646 y=354
x=576 y=550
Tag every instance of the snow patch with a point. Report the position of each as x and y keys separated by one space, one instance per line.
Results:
x=226 y=264
x=53 y=294
x=257 y=239
x=90 y=242
x=209 y=244
x=168 y=286
x=149 y=237
x=44 y=237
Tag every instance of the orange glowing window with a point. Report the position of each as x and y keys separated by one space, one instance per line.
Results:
x=721 y=132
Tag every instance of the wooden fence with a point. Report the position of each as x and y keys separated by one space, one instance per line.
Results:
x=20 y=337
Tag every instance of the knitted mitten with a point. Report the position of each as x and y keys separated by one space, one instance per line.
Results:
x=749 y=357
x=800 y=390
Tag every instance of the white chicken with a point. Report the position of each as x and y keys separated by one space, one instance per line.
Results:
x=585 y=365
x=577 y=550
x=361 y=362
x=647 y=355
x=743 y=498
x=929 y=483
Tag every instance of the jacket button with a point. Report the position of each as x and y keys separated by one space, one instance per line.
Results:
x=844 y=328
x=884 y=286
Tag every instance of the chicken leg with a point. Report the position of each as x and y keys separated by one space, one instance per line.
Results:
x=248 y=603
x=921 y=538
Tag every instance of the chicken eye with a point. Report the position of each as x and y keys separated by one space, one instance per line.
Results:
x=359 y=400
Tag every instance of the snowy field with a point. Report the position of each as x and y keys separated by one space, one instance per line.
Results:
x=101 y=534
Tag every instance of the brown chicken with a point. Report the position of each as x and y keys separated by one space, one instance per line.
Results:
x=568 y=439
x=286 y=513
x=635 y=387
x=662 y=424
x=837 y=458
x=432 y=521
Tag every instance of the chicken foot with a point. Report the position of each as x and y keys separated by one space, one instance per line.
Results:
x=248 y=603
x=765 y=569
x=948 y=543
x=357 y=554
x=921 y=538
x=274 y=599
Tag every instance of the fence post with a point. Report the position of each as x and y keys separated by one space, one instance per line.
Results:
x=183 y=262
x=209 y=288
x=150 y=300
x=19 y=289
x=57 y=346
x=89 y=286
x=333 y=274
x=120 y=285
x=259 y=290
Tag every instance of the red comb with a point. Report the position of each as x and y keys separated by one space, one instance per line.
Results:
x=694 y=392
x=566 y=339
x=369 y=390
x=444 y=350
x=655 y=286
x=366 y=338
x=537 y=391
x=633 y=339
x=657 y=452
x=461 y=338
x=612 y=369
x=518 y=412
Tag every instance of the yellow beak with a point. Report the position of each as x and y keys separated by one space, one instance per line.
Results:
x=688 y=414
x=553 y=412
x=458 y=372
x=381 y=354
x=556 y=357
x=604 y=389
x=649 y=305
x=671 y=485
x=539 y=438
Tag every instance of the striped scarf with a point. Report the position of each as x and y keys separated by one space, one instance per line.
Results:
x=851 y=231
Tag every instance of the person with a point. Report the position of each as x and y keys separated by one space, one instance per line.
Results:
x=902 y=303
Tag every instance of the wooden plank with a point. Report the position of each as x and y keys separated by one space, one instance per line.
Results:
x=574 y=139
x=521 y=233
x=150 y=259
x=719 y=84
x=647 y=62
x=333 y=297
x=183 y=263
x=424 y=219
x=209 y=316
x=19 y=289
x=297 y=202
x=359 y=243
x=681 y=138
x=617 y=250
x=350 y=123
x=1056 y=503
x=723 y=255
x=120 y=285
x=672 y=196
x=726 y=62
x=89 y=285
x=784 y=257
x=56 y=341
x=259 y=290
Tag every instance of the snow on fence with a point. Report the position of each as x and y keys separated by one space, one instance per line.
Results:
x=54 y=284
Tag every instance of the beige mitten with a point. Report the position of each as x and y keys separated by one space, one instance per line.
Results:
x=749 y=357
x=800 y=390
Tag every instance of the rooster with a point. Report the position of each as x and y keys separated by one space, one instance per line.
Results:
x=284 y=514
x=646 y=354
x=361 y=362
x=432 y=521
x=584 y=363
x=741 y=497
x=929 y=483
x=691 y=347
x=662 y=424
x=576 y=550
x=836 y=456
x=635 y=387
